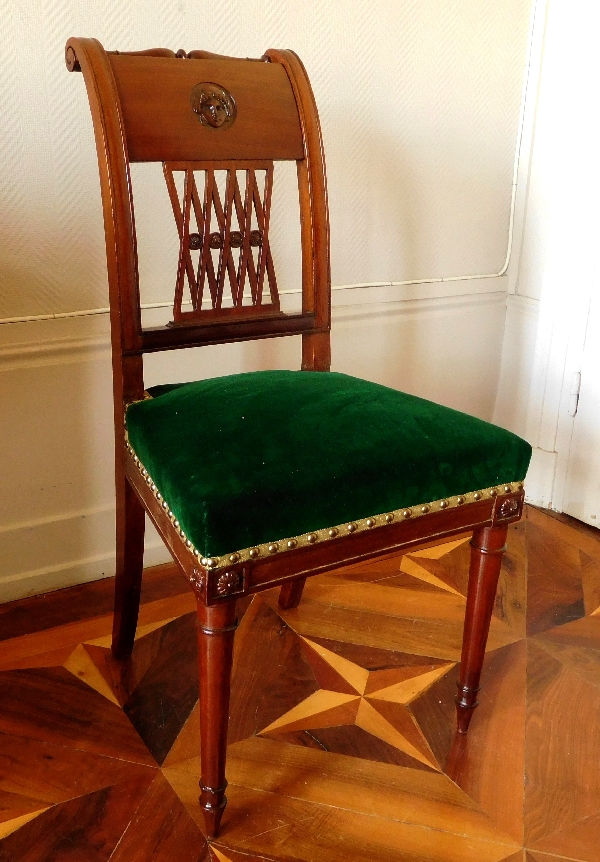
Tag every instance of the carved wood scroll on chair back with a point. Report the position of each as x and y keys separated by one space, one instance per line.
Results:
x=245 y=494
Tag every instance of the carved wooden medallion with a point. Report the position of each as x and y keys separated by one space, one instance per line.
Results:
x=228 y=583
x=509 y=507
x=197 y=579
x=214 y=105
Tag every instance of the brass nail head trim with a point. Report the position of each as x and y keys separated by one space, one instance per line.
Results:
x=331 y=532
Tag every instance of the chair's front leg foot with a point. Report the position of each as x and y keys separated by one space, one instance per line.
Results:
x=466 y=701
x=212 y=802
x=216 y=628
x=487 y=547
x=291 y=593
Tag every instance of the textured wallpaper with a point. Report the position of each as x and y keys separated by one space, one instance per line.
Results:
x=419 y=101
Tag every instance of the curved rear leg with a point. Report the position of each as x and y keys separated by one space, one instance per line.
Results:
x=291 y=593
x=130 y=564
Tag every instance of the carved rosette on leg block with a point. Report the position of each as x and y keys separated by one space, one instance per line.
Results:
x=487 y=547
x=216 y=629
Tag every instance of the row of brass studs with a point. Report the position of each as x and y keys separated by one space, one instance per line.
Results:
x=216 y=240
x=322 y=535
x=368 y=523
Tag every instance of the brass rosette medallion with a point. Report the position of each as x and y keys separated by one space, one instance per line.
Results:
x=214 y=105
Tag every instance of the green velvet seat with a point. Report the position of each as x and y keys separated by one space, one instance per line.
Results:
x=255 y=458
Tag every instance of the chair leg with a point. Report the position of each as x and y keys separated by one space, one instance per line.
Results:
x=487 y=547
x=216 y=628
x=130 y=564
x=291 y=593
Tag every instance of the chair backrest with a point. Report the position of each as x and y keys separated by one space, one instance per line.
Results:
x=200 y=114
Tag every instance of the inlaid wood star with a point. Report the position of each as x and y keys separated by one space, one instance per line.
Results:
x=377 y=701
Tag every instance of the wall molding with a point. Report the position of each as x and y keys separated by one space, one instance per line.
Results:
x=63 y=338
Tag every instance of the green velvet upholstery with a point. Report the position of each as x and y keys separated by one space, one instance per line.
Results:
x=258 y=457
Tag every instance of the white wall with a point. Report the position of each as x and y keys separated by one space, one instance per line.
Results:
x=420 y=111
x=556 y=237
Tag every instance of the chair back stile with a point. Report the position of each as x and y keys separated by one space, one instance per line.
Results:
x=145 y=108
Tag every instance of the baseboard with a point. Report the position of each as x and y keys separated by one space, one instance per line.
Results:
x=62 y=550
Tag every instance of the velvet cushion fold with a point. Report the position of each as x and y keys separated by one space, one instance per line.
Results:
x=257 y=457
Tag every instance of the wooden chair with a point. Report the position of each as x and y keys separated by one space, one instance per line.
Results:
x=265 y=478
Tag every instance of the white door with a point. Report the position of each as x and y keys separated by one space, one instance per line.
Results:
x=582 y=486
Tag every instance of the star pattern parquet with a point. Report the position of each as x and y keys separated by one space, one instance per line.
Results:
x=341 y=743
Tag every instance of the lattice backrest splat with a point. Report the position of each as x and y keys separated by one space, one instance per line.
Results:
x=222 y=218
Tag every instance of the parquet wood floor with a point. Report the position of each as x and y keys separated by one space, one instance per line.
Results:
x=342 y=743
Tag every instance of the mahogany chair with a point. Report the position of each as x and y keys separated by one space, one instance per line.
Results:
x=262 y=479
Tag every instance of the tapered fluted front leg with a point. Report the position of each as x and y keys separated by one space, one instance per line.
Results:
x=130 y=564
x=216 y=628
x=487 y=547
x=291 y=593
